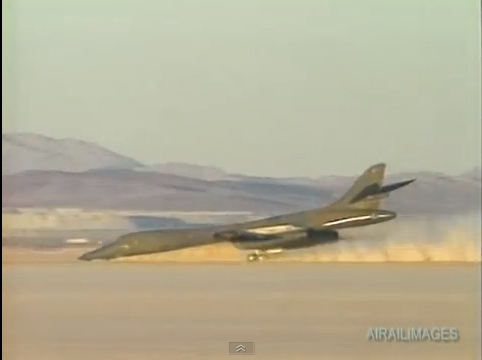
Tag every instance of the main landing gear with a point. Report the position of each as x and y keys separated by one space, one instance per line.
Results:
x=255 y=257
x=261 y=255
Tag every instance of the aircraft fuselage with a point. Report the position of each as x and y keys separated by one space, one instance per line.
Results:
x=358 y=207
x=307 y=234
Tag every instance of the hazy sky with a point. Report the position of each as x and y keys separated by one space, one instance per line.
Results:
x=264 y=87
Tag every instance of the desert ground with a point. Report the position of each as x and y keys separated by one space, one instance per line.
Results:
x=118 y=310
x=190 y=304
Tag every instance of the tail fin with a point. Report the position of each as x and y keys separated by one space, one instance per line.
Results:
x=371 y=179
x=367 y=192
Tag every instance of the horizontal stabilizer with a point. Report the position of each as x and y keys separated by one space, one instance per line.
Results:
x=371 y=196
x=368 y=190
x=391 y=187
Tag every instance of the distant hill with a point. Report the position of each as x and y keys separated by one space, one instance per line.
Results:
x=39 y=171
x=127 y=189
x=190 y=170
x=25 y=151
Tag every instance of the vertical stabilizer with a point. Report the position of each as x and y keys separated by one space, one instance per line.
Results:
x=360 y=195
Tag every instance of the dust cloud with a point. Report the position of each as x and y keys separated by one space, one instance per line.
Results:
x=441 y=239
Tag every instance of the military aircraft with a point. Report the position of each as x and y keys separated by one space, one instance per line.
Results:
x=262 y=238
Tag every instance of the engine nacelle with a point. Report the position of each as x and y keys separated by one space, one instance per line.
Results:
x=226 y=235
x=232 y=235
x=323 y=236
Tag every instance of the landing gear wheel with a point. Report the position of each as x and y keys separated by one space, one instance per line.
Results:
x=252 y=257
x=255 y=257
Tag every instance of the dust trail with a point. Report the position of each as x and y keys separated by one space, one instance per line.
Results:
x=452 y=250
x=442 y=239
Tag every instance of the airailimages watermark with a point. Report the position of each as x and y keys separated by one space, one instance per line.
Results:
x=413 y=334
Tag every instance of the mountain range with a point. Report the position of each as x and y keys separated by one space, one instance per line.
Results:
x=39 y=171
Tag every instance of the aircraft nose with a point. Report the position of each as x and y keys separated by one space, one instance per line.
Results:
x=105 y=252
x=85 y=256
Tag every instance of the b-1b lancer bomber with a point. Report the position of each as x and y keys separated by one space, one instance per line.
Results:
x=358 y=207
